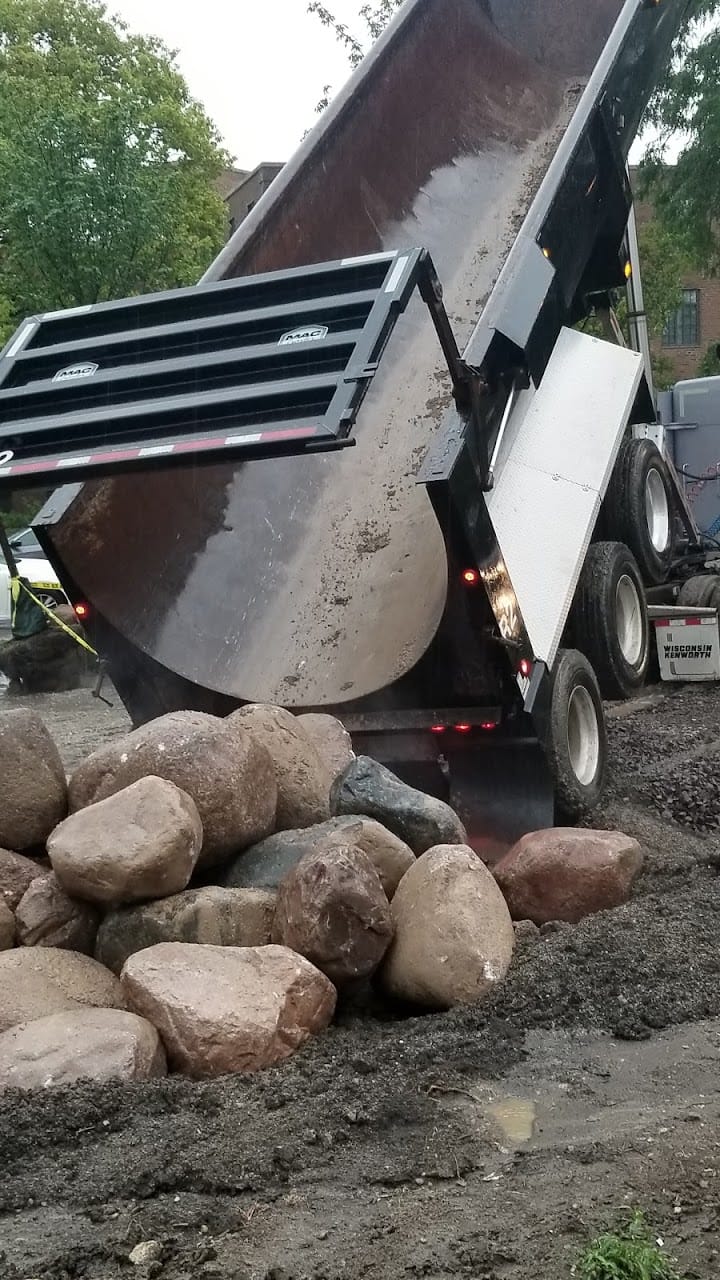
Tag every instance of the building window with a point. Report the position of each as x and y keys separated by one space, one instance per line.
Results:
x=683 y=327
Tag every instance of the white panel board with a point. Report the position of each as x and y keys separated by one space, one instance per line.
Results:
x=553 y=472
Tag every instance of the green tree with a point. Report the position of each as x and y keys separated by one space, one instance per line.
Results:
x=372 y=19
x=686 y=195
x=709 y=366
x=663 y=264
x=107 y=164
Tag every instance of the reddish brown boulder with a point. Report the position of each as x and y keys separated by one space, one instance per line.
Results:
x=225 y=770
x=7 y=928
x=330 y=739
x=226 y=1009
x=454 y=937
x=35 y=981
x=16 y=875
x=331 y=909
x=219 y=917
x=80 y=1044
x=47 y=917
x=140 y=843
x=303 y=778
x=565 y=874
x=34 y=791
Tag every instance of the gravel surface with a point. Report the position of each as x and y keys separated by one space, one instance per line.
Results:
x=375 y=1152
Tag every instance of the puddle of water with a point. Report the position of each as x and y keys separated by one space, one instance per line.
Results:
x=515 y=1117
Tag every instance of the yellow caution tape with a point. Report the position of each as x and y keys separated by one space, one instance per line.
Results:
x=58 y=621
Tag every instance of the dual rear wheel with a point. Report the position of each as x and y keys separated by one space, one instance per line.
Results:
x=608 y=627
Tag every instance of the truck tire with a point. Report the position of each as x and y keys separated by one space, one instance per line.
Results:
x=638 y=508
x=700 y=592
x=576 y=737
x=609 y=619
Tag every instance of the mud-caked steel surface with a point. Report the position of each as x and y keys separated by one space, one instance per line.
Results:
x=318 y=580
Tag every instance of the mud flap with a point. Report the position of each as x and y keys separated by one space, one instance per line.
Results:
x=501 y=794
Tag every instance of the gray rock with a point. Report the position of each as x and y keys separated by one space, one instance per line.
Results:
x=213 y=916
x=36 y=981
x=454 y=938
x=219 y=763
x=7 y=928
x=302 y=775
x=16 y=875
x=331 y=740
x=34 y=790
x=142 y=842
x=420 y=820
x=266 y=864
x=80 y=1044
x=47 y=917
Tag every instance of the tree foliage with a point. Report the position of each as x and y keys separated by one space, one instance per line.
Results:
x=686 y=195
x=372 y=21
x=709 y=366
x=107 y=164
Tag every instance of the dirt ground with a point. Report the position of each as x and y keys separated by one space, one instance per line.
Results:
x=488 y=1143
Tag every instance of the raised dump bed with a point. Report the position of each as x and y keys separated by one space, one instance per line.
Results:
x=319 y=580
x=436 y=584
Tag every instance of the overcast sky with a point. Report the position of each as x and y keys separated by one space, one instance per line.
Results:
x=258 y=66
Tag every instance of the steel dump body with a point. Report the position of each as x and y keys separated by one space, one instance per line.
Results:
x=319 y=581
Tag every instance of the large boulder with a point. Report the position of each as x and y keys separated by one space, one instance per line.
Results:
x=225 y=1009
x=35 y=981
x=225 y=769
x=140 y=843
x=80 y=1044
x=332 y=909
x=454 y=937
x=266 y=864
x=567 y=873
x=16 y=875
x=330 y=739
x=34 y=791
x=420 y=820
x=7 y=928
x=303 y=777
x=219 y=917
x=47 y=917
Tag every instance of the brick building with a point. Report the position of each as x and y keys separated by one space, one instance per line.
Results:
x=241 y=189
x=695 y=326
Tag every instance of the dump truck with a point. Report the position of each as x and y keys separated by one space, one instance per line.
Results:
x=372 y=465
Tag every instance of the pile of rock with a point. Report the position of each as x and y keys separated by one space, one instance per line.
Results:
x=197 y=894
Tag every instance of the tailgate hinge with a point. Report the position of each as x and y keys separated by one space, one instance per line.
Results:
x=469 y=383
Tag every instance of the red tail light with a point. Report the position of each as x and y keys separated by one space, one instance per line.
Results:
x=82 y=610
x=470 y=577
x=438 y=728
x=488 y=725
x=525 y=667
x=463 y=728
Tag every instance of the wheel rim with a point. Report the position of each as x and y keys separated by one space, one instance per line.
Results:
x=629 y=621
x=583 y=736
x=657 y=510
